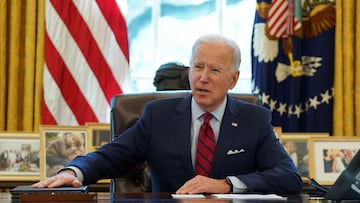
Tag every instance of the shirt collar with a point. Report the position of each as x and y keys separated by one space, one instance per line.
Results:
x=197 y=111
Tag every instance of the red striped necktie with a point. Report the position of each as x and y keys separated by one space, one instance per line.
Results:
x=205 y=147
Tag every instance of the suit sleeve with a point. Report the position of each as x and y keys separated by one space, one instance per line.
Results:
x=275 y=171
x=118 y=157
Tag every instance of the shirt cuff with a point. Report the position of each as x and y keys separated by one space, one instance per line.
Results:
x=238 y=185
x=79 y=175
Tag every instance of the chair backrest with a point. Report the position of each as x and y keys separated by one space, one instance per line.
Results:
x=126 y=109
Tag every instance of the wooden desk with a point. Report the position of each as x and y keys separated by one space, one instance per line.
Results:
x=105 y=197
x=166 y=197
x=102 y=197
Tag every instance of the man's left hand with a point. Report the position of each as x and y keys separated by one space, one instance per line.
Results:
x=203 y=184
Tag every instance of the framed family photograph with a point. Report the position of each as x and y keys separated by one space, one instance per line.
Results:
x=296 y=144
x=330 y=156
x=59 y=145
x=19 y=156
x=99 y=134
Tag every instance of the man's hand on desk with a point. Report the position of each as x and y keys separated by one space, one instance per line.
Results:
x=64 y=178
x=202 y=184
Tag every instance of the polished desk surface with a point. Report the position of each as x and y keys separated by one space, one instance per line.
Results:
x=166 y=197
x=161 y=197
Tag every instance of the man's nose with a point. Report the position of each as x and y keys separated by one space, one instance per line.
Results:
x=204 y=75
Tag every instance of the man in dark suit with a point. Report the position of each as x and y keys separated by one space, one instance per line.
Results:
x=247 y=154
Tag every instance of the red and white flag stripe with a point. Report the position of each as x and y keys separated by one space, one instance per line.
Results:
x=86 y=60
x=281 y=20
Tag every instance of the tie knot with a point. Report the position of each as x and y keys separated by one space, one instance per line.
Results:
x=207 y=117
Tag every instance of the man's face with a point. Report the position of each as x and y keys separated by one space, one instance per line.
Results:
x=70 y=141
x=211 y=76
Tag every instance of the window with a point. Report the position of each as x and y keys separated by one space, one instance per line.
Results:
x=162 y=31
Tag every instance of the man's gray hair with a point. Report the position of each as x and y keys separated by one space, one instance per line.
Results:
x=220 y=39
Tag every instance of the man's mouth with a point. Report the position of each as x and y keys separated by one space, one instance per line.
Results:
x=203 y=90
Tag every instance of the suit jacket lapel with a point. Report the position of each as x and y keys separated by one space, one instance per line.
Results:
x=228 y=132
x=182 y=125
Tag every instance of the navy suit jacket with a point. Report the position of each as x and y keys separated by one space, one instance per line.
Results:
x=246 y=148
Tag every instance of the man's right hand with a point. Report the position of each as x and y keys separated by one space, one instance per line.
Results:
x=64 y=178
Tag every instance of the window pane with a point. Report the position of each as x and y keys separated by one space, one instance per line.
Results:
x=180 y=25
x=238 y=24
x=141 y=42
x=162 y=31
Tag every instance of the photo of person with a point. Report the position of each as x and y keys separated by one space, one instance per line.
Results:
x=19 y=156
x=298 y=152
x=336 y=160
x=61 y=148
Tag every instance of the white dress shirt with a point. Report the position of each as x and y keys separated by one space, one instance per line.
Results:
x=197 y=120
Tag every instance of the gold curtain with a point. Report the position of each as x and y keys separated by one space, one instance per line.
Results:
x=21 y=63
x=346 y=116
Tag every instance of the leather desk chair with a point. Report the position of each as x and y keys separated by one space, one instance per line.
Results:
x=126 y=109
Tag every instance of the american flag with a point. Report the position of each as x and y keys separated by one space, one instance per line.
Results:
x=292 y=62
x=86 y=60
x=281 y=20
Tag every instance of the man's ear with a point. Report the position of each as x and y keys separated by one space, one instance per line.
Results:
x=235 y=78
